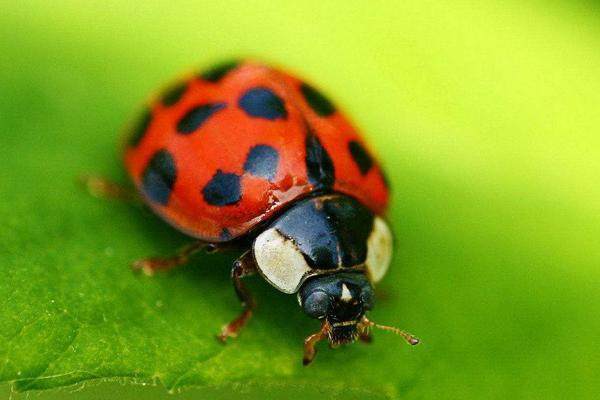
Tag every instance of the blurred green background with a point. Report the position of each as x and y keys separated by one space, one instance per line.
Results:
x=485 y=114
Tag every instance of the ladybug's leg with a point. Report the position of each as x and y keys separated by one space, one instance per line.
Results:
x=365 y=337
x=312 y=340
x=364 y=333
x=98 y=186
x=242 y=267
x=151 y=265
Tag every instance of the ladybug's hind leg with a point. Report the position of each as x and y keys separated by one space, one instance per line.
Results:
x=242 y=267
x=101 y=187
x=150 y=265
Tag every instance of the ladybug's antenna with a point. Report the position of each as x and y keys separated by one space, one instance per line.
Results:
x=410 y=339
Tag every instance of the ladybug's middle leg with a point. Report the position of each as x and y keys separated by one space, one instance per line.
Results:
x=150 y=265
x=242 y=267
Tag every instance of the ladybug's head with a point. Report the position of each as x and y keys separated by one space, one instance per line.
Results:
x=340 y=300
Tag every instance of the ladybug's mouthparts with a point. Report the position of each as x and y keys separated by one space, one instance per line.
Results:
x=343 y=333
x=348 y=331
x=344 y=323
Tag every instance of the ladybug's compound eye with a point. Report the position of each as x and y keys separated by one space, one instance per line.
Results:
x=317 y=304
x=379 y=250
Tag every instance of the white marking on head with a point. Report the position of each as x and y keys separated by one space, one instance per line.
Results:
x=280 y=261
x=346 y=295
x=379 y=250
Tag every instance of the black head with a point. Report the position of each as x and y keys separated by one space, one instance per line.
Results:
x=341 y=299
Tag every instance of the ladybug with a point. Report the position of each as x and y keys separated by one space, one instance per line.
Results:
x=249 y=157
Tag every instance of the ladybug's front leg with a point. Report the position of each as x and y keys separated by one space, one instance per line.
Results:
x=310 y=342
x=242 y=267
x=365 y=337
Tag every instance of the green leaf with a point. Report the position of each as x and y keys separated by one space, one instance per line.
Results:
x=485 y=116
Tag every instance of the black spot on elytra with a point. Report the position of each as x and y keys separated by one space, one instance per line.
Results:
x=319 y=166
x=173 y=94
x=360 y=156
x=217 y=72
x=198 y=115
x=140 y=128
x=159 y=177
x=317 y=101
x=223 y=189
x=261 y=102
x=262 y=161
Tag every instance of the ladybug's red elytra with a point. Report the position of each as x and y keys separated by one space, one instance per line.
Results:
x=249 y=157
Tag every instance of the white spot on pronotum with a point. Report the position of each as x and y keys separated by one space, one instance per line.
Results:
x=280 y=261
x=379 y=250
x=346 y=295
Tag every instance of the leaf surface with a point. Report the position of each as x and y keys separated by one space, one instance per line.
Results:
x=485 y=116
